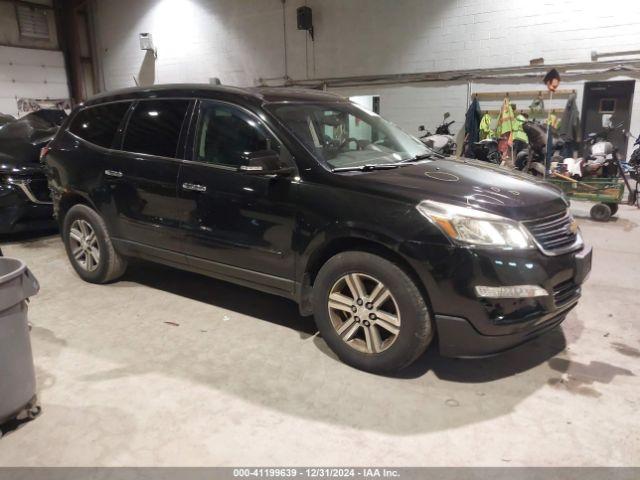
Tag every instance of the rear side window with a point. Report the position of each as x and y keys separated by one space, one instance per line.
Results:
x=98 y=124
x=154 y=127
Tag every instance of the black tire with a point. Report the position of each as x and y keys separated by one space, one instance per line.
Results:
x=416 y=326
x=613 y=207
x=600 y=212
x=111 y=264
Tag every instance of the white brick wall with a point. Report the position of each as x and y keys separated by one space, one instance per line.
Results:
x=242 y=40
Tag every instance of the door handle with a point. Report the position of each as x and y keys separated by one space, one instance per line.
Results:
x=194 y=186
x=113 y=173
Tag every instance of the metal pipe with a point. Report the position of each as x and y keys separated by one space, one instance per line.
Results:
x=595 y=55
x=284 y=37
x=568 y=69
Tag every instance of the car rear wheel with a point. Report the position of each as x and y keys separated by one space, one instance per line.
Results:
x=370 y=312
x=89 y=246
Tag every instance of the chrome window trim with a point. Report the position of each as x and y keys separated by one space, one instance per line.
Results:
x=195 y=113
x=23 y=185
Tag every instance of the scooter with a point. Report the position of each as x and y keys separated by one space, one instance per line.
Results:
x=442 y=141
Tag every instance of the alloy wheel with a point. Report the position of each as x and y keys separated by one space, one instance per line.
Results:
x=84 y=245
x=364 y=313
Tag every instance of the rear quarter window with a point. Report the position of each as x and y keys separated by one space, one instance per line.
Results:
x=99 y=124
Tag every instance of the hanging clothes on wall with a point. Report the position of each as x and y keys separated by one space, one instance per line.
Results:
x=504 y=130
x=506 y=119
x=472 y=127
x=520 y=138
x=536 y=108
x=569 y=129
x=485 y=127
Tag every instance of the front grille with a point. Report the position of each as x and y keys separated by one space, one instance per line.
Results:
x=553 y=233
x=565 y=292
x=40 y=189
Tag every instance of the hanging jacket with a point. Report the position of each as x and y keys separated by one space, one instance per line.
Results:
x=569 y=129
x=485 y=127
x=537 y=107
x=472 y=122
x=506 y=120
x=518 y=132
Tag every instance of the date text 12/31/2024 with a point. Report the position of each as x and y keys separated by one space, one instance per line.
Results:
x=315 y=472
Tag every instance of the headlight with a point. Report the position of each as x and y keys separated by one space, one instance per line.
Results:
x=475 y=227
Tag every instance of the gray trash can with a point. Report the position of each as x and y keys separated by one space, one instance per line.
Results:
x=17 y=375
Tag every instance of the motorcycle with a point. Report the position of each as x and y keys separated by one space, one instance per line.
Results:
x=634 y=161
x=634 y=172
x=532 y=160
x=487 y=151
x=442 y=141
x=600 y=157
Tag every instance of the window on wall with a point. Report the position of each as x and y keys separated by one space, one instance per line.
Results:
x=154 y=127
x=33 y=22
x=227 y=136
x=99 y=124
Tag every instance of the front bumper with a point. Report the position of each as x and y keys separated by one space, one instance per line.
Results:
x=18 y=213
x=469 y=326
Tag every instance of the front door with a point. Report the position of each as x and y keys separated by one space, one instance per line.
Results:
x=237 y=224
x=142 y=176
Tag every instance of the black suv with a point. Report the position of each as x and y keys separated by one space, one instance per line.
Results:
x=306 y=195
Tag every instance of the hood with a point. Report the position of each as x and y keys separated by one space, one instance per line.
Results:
x=21 y=139
x=469 y=182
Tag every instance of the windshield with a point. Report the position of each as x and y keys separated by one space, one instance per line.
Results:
x=345 y=135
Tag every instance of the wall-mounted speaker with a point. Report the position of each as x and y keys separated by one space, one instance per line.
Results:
x=305 y=19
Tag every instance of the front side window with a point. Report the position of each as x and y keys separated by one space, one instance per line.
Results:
x=99 y=124
x=154 y=127
x=228 y=136
x=345 y=135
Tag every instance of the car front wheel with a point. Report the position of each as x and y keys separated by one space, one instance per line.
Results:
x=370 y=312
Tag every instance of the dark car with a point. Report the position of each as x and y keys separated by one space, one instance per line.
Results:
x=306 y=195
x=25 y=202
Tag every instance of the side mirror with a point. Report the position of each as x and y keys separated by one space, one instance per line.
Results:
x=446 y=115
x=265 y=162
x=421 y=128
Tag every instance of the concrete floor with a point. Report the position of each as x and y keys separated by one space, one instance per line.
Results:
x=243 y=380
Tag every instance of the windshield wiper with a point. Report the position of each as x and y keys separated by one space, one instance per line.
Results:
x=367 y=168
x=423 y=156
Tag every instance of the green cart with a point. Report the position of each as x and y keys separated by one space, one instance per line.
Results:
x=607 y=192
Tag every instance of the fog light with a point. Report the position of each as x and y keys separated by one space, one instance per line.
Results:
x=513 y=291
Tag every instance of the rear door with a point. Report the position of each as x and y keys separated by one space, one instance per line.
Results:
x=141 y=177
x=236 y=224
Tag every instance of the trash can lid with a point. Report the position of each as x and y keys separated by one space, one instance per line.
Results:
x=16 y=282
x=10 y=268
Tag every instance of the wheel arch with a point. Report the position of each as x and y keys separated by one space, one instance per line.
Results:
x=337 y=245
x=68 y=200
